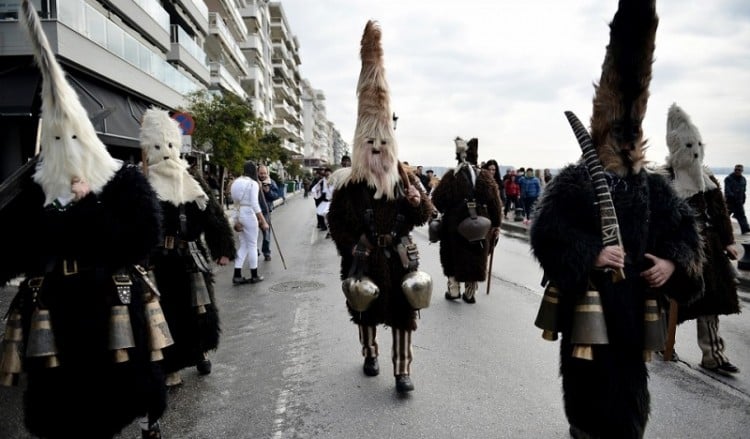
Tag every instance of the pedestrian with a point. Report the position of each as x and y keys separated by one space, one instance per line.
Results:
x=374 y=208
x=75 y=232
x=512 y=193
x=323 y=191
x=605 y=386
x=695 y=183
x=493 y=169
x=316 y=189
x=734 y=192
x=346 y=161
x=192 y=220
x=531 y=188
x=268 y=194
x=431 y=180
x=547 y=176
x=463 y=194
x=248 y=219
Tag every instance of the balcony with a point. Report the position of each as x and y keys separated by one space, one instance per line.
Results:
x=187 y=53
x=221 y=77
x=146 y=16
x=198 y=11
x=218 y=28
x=234 y=17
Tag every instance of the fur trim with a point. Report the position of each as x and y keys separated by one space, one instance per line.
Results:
x=70 y=146
x=375 y=151
x=167 y=172
x=622 y=93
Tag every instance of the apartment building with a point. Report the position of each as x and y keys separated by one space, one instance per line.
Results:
x=123 y=56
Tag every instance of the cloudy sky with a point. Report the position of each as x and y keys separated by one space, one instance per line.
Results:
x=504 y=71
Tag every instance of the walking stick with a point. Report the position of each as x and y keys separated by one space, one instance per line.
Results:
x=270 y=227
x=489 y=268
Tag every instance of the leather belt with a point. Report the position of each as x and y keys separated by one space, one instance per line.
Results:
x=172 y=242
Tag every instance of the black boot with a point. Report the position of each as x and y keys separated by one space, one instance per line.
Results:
x=404 y=384
x=255 y=278
x=237 y=279
x=371 y=367
x=204 y=365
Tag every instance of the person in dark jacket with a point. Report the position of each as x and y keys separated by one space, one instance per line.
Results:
x=269 y=192
x=605 y=386
x=735 y=186
x=531 y=188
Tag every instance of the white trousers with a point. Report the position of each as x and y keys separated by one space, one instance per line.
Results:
x=248 y=239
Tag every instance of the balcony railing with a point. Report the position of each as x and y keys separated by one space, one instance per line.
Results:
x=215 y=22
x=221 y=75
x=187 y=42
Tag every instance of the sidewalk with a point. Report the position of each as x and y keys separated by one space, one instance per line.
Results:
x=518 y=229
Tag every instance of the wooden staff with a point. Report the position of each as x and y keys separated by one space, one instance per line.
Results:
x=669 y=346
x=489 y=269
x=270 y=227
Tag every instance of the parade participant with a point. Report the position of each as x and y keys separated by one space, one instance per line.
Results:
x=192 y=219
x=694 y=182
x=606 y=394
x=75 y=232
x=268 y=194
x=375 y=206
x=248 y=218
x=464 y=192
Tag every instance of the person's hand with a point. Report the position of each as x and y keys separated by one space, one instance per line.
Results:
x=264 y=225
x=79 y=187
x=224 y=260
x=732 y=252
x=612 y=256
x=413 y=196
x=660 y=273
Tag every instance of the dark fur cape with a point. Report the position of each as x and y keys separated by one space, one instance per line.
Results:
x=193 y=333
x=103 y=232
x=464 y=260
x=720 y=295
x=608 y=397
x=347 y=224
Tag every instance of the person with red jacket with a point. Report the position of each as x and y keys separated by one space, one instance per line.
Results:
x=512 y=193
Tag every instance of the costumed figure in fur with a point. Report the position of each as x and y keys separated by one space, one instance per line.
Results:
x=694 y=182
x=464 y=260
x=374 y=208
x=606 y=396
x=78 y=326
x=196 y=231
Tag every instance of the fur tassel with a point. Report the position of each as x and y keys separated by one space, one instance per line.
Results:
x=622 y=93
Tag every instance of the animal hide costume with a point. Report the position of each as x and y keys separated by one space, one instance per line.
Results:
x=78 y=324
x=607 y=396
x=192 y=220
x=463 y=260
x=375 y=204
x=695 y=183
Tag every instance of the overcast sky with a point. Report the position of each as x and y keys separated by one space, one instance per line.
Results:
x=504 y=71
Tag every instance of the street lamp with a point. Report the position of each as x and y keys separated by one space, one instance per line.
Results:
x=395 y=119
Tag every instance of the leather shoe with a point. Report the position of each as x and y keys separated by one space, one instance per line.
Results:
x=256 y=279
x=267 y=257
x=404 y=384
x=240 y=280
x=468 y=299
x=725 y=369
x=371 y=367
x=449 y=296
x=204 y=366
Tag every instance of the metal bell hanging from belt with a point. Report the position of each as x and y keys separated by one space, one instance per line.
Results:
x=120 y=332
x=547 y=316
x=589 y=327
x=654 y=328
x=199 y=292
x=159 y=336
x=41 y=342
x=10 y=362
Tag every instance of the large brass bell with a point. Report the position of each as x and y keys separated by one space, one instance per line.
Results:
x=10 y=362
x=654 y=328
x=159 y=336
x=360 y=292
x=417 y=287
x=589 y=327
x=41 y=342
x=120 y=333
x=199 y=292
x=547 y=317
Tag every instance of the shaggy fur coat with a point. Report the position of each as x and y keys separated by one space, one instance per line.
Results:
x=464 y=260
x=193 y=333
x=720 y=291
x=347 y=224
x=608 y=396
x=103 y=232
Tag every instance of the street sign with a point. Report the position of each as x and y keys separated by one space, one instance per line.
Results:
x=186 y=122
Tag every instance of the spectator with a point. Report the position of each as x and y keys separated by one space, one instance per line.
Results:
x=268 y=194
x=512 y=192
x=531 y=188
x=734 y=192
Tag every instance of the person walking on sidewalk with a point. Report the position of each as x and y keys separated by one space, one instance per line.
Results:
x=375 y=206
x=248 y=219
x=531 y=188
x=463 y=193
x=735 y=186
x=694 y=182
x=269 y=192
